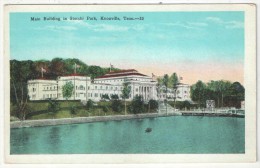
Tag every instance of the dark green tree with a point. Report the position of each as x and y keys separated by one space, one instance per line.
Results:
x=235 y=94
x=174 y=81
x=198 y=92
x=20 y=72
x=137 y=105
x=165 y=81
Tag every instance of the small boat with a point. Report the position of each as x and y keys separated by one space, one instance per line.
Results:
x=148 y=130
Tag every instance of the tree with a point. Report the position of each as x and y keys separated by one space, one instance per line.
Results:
x=175 y=81
x=165 y=83
x=235 y=94
x=126 y=92
x=198 y=92
x=20 y=72
x=137 y=105
x=67 y=90
x=220 y=89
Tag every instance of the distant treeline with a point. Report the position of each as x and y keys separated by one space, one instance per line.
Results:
x=224 y=93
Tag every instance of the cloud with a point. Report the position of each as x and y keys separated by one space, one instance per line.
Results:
x=200 y=24
x=227 y=24
x=100 y=27
x=107 y=27
x=57 y=28
x=187 y=25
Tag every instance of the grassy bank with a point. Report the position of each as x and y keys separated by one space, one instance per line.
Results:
x=70 y=109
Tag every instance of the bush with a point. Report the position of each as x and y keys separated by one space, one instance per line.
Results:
x=153 y=104
x=105 y=97
x=105 y=109
x=137 y=105
x=90 y=104
x=116 y=105
x=114 y=97
x=182 y=104
x=53 y=106
x=73 y=110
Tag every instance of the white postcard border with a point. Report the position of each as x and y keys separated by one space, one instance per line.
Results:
x=249 y=82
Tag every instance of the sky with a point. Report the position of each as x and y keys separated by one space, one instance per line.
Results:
x=196 y=45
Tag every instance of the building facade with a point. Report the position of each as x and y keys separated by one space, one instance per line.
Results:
x=109 y=84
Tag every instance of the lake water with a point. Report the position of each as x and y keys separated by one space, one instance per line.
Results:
x=169 y=135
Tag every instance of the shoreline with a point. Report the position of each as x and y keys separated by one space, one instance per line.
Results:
x=78 y=120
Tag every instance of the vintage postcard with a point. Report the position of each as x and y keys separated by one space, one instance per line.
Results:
x=130 y=83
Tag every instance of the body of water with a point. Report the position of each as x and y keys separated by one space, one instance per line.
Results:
x=169 y=135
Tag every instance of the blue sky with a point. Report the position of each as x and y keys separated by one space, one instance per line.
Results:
x=164 y=42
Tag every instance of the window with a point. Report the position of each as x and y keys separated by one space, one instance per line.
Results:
x=106 y=87
x=95 y=87
x=88 y=87
x=136 y=90
x=84 y=94
x=116 y=88
x=81 y=87
x=96 y=95
x=76 y=87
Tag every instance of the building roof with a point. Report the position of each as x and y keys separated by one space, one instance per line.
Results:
x=121 y=74
x=122 y=71
x=126 y=72
x=73 y=75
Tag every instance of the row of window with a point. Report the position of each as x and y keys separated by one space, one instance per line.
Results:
x=121 y=80
x=49 y=88
x=45 y=96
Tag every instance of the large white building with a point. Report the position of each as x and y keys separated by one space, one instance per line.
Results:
x=109 y=84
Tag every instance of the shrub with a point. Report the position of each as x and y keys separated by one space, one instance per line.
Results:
x=105 y=109
x=114 y=97
x=90 y=104
x=153 y=104
x=116 y=105
x=53 y=106
x=73 y=110
x=137 y=105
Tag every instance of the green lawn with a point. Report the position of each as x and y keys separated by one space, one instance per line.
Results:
x=65 y=111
